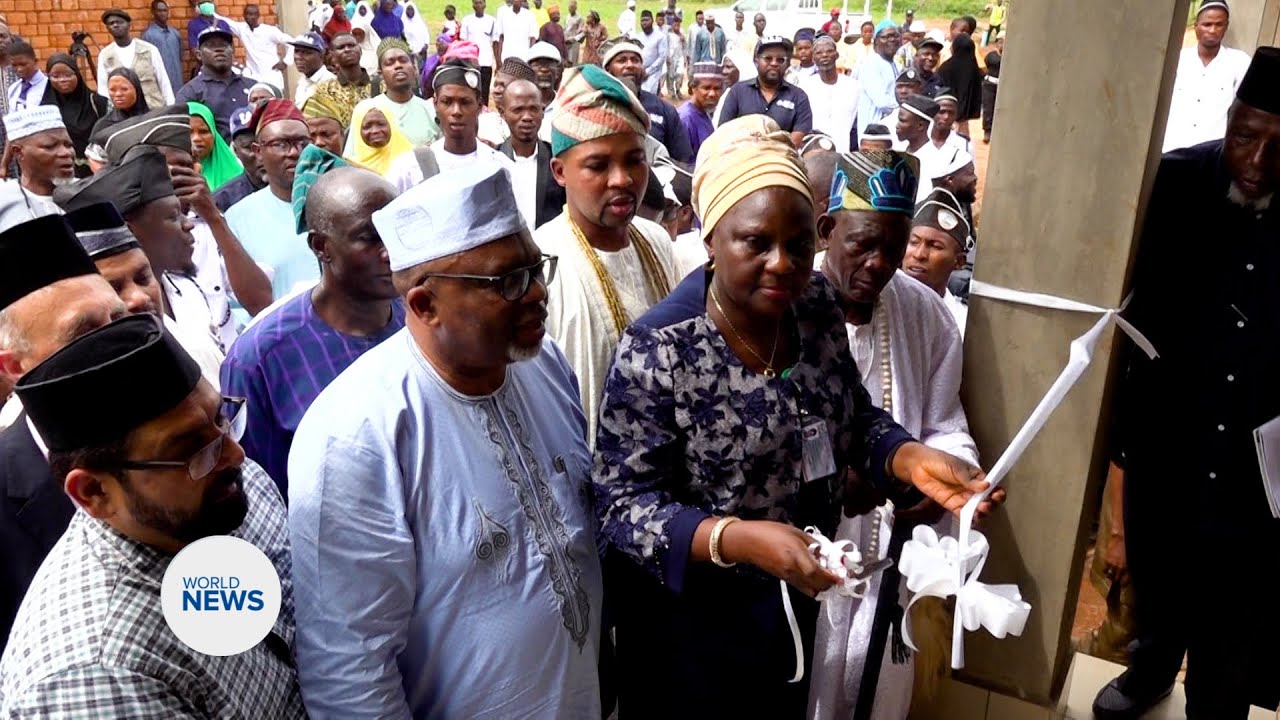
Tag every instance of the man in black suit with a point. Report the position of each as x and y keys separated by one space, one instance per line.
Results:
x=50 y=294
x=539 y=197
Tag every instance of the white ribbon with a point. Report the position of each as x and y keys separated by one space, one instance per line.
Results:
x=941 y=568
x=841 y=558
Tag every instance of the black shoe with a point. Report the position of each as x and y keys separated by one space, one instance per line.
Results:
x=1113 y=704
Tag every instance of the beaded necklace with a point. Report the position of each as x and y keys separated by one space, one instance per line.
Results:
x=653 y=275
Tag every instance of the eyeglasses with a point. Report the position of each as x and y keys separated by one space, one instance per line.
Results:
x=513 y=285
x=284 y=145
x=231 y=422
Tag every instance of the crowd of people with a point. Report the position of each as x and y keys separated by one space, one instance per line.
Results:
x=534 y=359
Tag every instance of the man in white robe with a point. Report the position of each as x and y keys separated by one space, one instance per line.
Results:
x=910 y=355
x=444 y=547
x=615 y=266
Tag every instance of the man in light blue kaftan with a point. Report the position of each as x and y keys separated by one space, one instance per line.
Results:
x=444 y=546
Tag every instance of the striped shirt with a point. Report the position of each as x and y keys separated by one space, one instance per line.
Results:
x=279 y=365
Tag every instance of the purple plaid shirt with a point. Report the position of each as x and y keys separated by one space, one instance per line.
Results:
x=280 y=364
x=696 y=123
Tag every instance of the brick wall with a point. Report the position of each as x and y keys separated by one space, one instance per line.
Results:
x=48 y=24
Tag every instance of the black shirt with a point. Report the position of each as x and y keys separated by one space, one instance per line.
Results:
x=789 y=108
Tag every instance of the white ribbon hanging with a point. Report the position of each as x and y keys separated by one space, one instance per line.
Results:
x=842 y=558
x=941 y=568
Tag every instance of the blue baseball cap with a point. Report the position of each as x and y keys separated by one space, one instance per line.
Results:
x=240 y=120
x=310 y=41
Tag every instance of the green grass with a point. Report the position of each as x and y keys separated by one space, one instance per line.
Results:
x=936 y=12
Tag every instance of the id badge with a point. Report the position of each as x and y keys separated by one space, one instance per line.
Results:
x=819 y=461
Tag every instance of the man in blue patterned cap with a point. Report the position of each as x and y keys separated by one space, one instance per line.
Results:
x=910 y=354
x=443 y=547
x=878 y=77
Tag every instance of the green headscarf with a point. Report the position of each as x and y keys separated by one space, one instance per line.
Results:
x=222 y=164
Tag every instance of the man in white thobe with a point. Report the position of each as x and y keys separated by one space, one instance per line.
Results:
x=615 y=265
x=262 y=43
x=444 y=548
x=1208 y=74
x=910 y=355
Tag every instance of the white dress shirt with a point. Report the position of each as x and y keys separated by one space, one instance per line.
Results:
x=34 y=95
x=834 y=106
x=307 y=85
x=405 y=172
x=518 y=30
x=1201 y=96
x=260 y=50
x=483 y=31
x=524 y=182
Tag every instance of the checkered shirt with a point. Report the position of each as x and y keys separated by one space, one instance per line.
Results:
x=90 y=639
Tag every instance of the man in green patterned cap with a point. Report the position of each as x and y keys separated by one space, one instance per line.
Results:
x=615 y=265
x=326 y=124
x=415 y=117
x=292 y=352
x=910 y=354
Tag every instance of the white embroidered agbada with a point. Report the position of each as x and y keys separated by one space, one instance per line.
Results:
x=578 y=316
x=926 y=356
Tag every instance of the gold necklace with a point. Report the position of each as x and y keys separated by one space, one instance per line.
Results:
x=768 y=364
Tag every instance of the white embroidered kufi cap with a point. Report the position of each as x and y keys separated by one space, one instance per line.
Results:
x=29 y=121
x=449 y=213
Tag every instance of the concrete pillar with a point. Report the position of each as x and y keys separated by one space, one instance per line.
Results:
x=1075 y=148
x=293 y=20
x=1254 y=23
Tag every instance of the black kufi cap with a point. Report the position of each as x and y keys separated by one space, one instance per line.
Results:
x=142 y=178
x=1260 y=87
x=106 y=383
x=940 y=209
x=38 y=253
x=167 y=126
x=921 y=106
x=101 y=230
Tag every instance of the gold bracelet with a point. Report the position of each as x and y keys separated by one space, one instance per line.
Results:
x=720 y=525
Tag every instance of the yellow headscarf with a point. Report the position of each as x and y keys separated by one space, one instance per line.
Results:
x=740 y=157
x=377 y=159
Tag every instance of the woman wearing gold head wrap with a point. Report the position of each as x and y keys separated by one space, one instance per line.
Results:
x=734 y=416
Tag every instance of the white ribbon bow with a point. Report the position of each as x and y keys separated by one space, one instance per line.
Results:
x=841 y=558
x=941 y=568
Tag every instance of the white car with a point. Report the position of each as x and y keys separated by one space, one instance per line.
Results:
x=785 y=17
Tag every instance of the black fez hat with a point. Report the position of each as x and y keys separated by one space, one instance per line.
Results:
x=132 y=367
x=1260 y=87
x=38 y=253
x=940 y=209
x=140 y=179
x=101 y=230
x=167 y=126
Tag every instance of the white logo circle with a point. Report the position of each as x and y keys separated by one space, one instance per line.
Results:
x=220 y=595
